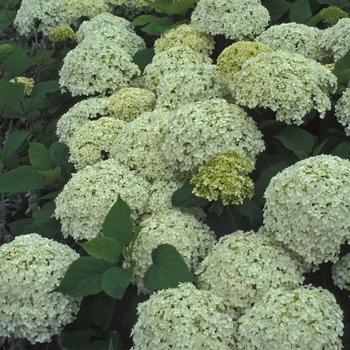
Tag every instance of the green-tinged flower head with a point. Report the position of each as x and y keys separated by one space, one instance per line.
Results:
x=230 y=60
x=5 y=51
x=28 y=84
x=62 y=33
x=226 y=177
x=332 y=14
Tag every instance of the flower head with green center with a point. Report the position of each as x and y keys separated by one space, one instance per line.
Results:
x=332 y=14
x=28 y=84
x=5 y=51
x=225 y=177
x=61 y=33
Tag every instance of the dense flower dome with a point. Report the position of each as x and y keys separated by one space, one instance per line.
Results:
x=307 y=207
x=31 y=268
x=235 y=19
x=183 y=318
x=86 y=199
x=342 y=110
x=341 y=272
x=296 y=85
x=200 y=131
x=243 y=266
x=303 y=318
x=190 y=237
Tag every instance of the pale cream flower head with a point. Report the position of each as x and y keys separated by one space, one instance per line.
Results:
x=307 y=207
x=341 y=272
x=342 y=110
x=183 y=318
x=31 y=268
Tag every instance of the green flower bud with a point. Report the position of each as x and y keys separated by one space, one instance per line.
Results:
x=61 y=33
x=5 y=51
x=332 y=14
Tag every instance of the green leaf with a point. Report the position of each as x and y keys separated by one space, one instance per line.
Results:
x=338 y=3
x=250 y=210
x=153 y=25
x=169 y=269
x=115 y=280
x=184 y=197
x=23 y=178
x=13 y=143
x=7 y=18
x=171 y=6
x=17 y=227
x=342 y=69
x=277 y=8
x=43 y=88
x=300 y=154
x=300 y=11
x=105 y=248
x=102 y=311
x=9 y=3
x=217 y=207
x=16 y=63
x=98 y=345
x=12 y=93
x=342 y=150
x=39 y=156
x=84 y=277
x=143 y=58
x=42 y=57
x=118 y=223
x=297 y=139
x=45 y=213
x=78 y=340
x=51 y=174
x=59 y=155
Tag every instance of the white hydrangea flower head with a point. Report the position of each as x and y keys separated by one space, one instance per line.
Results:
x=243 y=266
x=235 y=19
x=78 y=115
x=112 y=28
x=304 y=318
x=342 y=110
x=55 y=13
x=31 y=268
x=185 y=35
x=200 y=131
x=128 y=103
x=341 y=272
x=294 y=37
x=183 y=318
x=93 y=141
x=285 y=82
x=138 y=146
x=192 y=238
x=307 y=207
x=86 y=199
x=336 y=39
x=181 y=75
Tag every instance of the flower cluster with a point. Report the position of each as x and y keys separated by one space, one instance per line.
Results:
x=183 y=318
x=243 y=266
x=342 y=110
x=62 y=33
x=5 y=51
x=332 y=14
x=102 y=61
x=181 y=75
x=304 y=318
x=294 y=37
x=189 y=236
x=93 y=141
x=87 y=197
x=341 y=272
x=336 y=39
x=236 y=19
x=185 y=35
x=31 y=268
x=225 y=177
x=28 y=84
x=307 y=207
x=78 y=115
x=128 y=103
x=296 y=85
x=201 y=131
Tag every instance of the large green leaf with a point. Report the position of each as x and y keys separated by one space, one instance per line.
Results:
x=78 y=340
x=23 y=178
x=16 y=63
x=169 y=269
x=277 y=8
x=143 y=58
x=45 y=87
x=300 y=11
x=6 y=18
x=342 y=150
x=102 y=310
x=250 y=210
x=59 y=155
x=105 y=248
x=39 y=156
x=118 y=223
x=84 y=277
x=171 y=6
x=342 y=69
x=13 y=143
x=45 y=213
x=11 y=93
x=184 y=197
x=115 y=280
